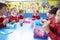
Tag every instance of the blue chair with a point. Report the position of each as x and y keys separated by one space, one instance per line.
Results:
x=43 y=15
x=27 y=15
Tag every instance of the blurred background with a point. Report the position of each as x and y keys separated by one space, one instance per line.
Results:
x=30 y=5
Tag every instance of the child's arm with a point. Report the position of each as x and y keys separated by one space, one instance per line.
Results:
x=50 y=34
x=5 y=21
x=42 y=22
x=46 y=26
x=11 y=19
x=2 y=25
x=53 y=36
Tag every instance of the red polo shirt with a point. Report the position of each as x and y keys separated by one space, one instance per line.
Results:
x=20 y=17
x=13 y=18
x=54 y=34
x=36 y=17
x=1 y=22
x=51 y=19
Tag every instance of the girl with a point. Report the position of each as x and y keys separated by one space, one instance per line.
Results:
x=13 y=17
x=20 y=15
x=35 y=15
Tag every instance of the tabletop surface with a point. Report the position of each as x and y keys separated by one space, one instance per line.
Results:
x=24 y=32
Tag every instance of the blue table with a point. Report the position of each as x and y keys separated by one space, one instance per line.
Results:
x=24 y=32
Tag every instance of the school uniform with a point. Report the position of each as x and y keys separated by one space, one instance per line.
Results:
x=20 y=17
x=35 y=17
x=54 y=34
x=13 y=17
x=1 y=22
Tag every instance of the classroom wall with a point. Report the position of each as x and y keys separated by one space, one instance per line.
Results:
x=29 y=6
x=2 y=1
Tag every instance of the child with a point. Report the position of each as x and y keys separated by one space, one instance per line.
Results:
x=13 y=17
x=51 y=7
x=35 y=15
x=3 y=20
x=52 y=13
x=20 y=15
x=53 y=28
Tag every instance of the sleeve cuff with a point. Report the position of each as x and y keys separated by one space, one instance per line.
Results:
x=51 y=35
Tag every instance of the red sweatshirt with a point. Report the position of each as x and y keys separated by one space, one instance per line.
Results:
x=13 y=18
x=1 y=22
x=55 y=31
x=20 y=17
x=36 y=17
x=51 y=19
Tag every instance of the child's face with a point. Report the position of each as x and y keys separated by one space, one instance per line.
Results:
x=35 y=13
x=57 y=18
x=13 y=11
x=50 y=15
x=3 y=10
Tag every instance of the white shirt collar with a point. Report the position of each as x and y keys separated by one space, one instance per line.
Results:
x=13 y=15
x=4 y=16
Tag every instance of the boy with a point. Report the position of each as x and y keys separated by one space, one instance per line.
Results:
x=3 y=20
x=52 y=13
x=53 y=28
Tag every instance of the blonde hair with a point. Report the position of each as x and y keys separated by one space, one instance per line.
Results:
x=12 y=8
x=21 y=11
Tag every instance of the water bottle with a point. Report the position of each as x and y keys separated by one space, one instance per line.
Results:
x=21 y=22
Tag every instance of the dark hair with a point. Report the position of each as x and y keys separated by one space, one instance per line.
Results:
x=52 y=6
x=2 y=5
x=21 y=11
x=53 y=10
x=37 y=11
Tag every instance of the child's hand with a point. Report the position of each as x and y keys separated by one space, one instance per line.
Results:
x=41 y=22
x=46 y=26
x=13 y=21
x=5 y=21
